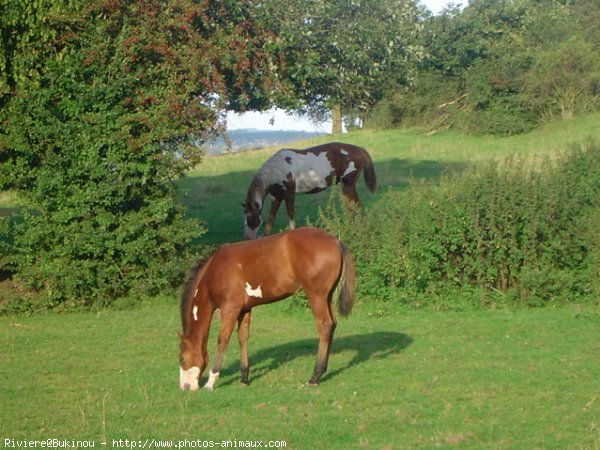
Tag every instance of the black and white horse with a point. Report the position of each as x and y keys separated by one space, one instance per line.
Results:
x=306 y=171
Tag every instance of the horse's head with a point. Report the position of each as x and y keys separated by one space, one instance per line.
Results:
x=191 y=365
x=252 y=219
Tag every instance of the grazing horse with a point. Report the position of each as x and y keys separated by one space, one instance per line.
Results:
x=312 y=170
x=240 y=276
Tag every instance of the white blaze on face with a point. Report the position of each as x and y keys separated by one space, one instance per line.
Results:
x=195 y=312
x=249 y=233
x=254 y=292
x=212 y=379
x=188 y=379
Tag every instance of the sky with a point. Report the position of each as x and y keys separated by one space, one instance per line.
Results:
x=277 y=119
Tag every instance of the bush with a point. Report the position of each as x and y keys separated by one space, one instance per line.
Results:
x=502 y=228
x=99 y=217
x=431 y=101
x=494 y=90
x=564 y=80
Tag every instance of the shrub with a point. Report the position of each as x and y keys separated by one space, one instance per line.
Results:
x=505 y=228
x=564 y=80
x=431 y=102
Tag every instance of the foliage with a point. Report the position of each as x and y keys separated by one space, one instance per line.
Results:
x=502 y=67
x=504 y=228
x=565 y=81
x=95 y=132
x=29 y=35
x=347 y=53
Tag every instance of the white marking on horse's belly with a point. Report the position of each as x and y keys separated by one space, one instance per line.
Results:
x=254 y=292
x=344 y=152
x=351 y=168
x=310 y=171
x=195 y=312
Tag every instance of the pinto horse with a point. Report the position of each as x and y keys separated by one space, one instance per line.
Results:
x=312 y=170
x=240 y=276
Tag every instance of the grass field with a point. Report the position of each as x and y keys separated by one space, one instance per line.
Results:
x=488 y=379
x=398 y=378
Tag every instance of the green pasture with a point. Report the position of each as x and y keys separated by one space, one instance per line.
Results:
x=486 y=379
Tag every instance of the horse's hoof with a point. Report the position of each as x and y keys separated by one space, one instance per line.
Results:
x=312 y=384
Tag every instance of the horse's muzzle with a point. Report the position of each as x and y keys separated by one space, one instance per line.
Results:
x=250 y=233
x=188 y=379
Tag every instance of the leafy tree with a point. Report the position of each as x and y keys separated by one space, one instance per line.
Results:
x=587 y=14
x=476 y=59
x=344 y=55
x=104 y=99
x=564 y=78
x=502 y=66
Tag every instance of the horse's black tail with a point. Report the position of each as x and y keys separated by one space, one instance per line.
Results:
x=369 y=173
x=346 y=284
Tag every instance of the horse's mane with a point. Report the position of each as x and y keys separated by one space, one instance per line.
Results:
x=258 y=183
x=187 y=290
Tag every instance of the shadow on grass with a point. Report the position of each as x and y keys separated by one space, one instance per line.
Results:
x=365 y=347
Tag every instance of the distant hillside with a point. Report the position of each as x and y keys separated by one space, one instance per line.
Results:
x=248 y=139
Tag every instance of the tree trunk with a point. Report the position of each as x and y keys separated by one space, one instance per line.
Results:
x=336 y=116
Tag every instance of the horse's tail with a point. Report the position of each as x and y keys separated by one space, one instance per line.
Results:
x=346 y=283
x=369 y=173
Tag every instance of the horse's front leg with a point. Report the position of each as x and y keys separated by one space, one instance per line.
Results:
x=275 y=202
x=290 y=201
x=228 y=319
x=243 y=334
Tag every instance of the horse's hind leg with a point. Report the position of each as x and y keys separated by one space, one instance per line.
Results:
x=243 y=334
x=325 y=326
x=228 y=319
x=349 y=191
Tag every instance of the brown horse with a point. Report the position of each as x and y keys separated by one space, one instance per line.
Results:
x=312 y=170
x=240 y=276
